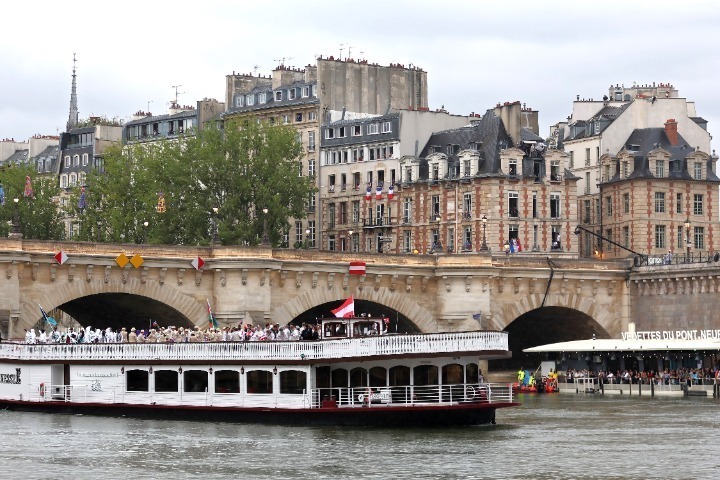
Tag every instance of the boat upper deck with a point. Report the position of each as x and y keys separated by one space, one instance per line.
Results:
x=488 y=344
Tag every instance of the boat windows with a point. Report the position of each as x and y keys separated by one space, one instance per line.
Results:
x=471 y=373
x=195 y=381
x=227 y=381
x=293 y=382
x=378 y=377
x=400 y=377
x=137 y=381
x=166 y=381
x=452 y=374
x=358 y=377
x=339 y=378
x=259 y=382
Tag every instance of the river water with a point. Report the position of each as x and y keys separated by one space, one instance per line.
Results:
x=550 y=436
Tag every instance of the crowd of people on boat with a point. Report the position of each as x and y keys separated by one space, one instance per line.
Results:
x=689 y=376
x=172 y=334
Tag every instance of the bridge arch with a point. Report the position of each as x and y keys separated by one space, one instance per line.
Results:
x=422 y=318
x=61 y=294
x=508 y=313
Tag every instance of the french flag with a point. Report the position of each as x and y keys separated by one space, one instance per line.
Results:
x=378 y=193
x=368 y=194
x=346 y=310
x=391 y=192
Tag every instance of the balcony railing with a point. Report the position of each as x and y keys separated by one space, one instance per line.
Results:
x=377 y=222
x=385 y=345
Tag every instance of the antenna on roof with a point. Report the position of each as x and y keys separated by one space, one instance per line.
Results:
x=282 y=60
x=176 y=93
x=342 y=47
x=150 y=101
x=255 y=68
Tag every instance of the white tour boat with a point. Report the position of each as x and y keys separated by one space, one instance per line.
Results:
x=355 y=375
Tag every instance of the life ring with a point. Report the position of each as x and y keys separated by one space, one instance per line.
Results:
x=42 y=390
x=470 y=392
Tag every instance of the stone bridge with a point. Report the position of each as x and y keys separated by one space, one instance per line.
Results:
x=538 y=298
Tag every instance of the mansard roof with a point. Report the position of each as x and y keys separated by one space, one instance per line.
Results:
x=17 y=158
x=488 y=134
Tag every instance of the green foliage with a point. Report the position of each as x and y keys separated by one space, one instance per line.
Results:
x=238 y=171
x=38 y=216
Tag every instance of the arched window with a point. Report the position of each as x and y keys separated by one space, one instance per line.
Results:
x=378 y=377
x=425 y=381
x=259 y=382
x=81 y=178
x=63 y=180
x=293 y=382
x=85 y=159
x=399 y=381
x=471 y=373
x=67 y=160
x=137 y=381
x=195 y=381
x=339 y=378
x=76 y=160
x=40 y=165
x=72 y=180
x=358 y=377
x=227 y=381
x=166 y=380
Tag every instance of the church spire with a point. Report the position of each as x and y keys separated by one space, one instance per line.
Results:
x=73 y=117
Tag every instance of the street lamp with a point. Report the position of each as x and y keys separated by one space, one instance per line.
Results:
x=145 y=225
x=352 y=243
x=16 y=217
x=215 y=237
x=307 y=238
x=484 y=246
x=687 y=238
x=265 y=239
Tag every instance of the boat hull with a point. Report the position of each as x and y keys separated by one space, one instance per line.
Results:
x=387 y=416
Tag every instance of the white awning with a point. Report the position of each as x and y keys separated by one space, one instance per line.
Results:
x=620 y=345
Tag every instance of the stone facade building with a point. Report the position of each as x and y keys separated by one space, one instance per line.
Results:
x=359 y=162
x=656 y=195
x=486 y=187
x=328 y=91
x=145 y=127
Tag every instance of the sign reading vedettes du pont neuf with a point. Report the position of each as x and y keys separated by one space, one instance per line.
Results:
x=673 y=335
x=11 y=378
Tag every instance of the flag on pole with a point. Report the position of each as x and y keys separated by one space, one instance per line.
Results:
x=378 y=193
x=48 y=319
x=346 y=310
x=357 y=268
x=211 y=318
x=82 y=202
x=368 y=193
x=391 y=192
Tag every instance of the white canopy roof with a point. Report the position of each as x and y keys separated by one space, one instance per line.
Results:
x=620 y=345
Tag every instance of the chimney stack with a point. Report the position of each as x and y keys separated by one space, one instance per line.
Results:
x=671 y=131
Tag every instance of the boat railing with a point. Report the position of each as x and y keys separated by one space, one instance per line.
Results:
x=411 y=395
x=429 y=343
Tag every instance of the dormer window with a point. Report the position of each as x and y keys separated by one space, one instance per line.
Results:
x=466 y=167
x=659 y=168
x=314 y=90
x=356 y=130
x=292 y=93
x=250 y=100
x=386 y=127
x=435 y=172
x=240 y=101
x=306 y=91
x=512 y=167
x=278 y=96
x=262 y=98
x=697 y=170
x=407 y=175
x=373 y=129
x=555 y=170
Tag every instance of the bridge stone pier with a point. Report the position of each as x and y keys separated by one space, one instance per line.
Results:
x=537 y=298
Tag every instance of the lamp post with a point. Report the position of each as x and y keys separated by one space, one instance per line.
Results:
x=307 y=238
x=687 y=239
x=265 y=239
x=350 y=232
x=16 y=217
x=215 y=237
x=484 y=246
x=145 y=231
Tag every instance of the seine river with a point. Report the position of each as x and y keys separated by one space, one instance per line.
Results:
x=551 y=436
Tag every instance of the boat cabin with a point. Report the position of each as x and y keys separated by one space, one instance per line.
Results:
x=352 y=327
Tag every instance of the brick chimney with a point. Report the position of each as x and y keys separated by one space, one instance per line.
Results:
x=671 y=131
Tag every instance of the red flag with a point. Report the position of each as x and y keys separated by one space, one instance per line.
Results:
x=357 y=268
x=346 y=310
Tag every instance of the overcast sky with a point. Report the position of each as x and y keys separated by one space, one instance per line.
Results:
x=476 y=53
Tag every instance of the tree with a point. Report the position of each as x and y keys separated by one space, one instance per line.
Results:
x=239 y=171
x=38 y=215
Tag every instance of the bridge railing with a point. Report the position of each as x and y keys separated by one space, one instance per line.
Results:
x=676 y=259
x=432 y=343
